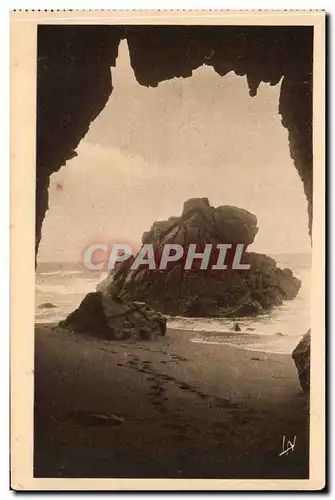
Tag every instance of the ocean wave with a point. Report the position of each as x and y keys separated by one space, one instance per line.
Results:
x=221 y=326
x=60 y=273
x=65 y=273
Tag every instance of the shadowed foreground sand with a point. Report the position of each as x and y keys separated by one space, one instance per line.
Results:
x=184 y=409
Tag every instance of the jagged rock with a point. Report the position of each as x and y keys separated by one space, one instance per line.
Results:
x=249 y=308
x=104 y=316
x=201 y=223
x=197 y=307
x=82 y=57
x=301 y=356
x=47 y=305
x=227 y=293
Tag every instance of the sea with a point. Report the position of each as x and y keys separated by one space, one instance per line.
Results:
x=65 y=284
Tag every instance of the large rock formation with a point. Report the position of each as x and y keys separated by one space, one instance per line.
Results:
x=206 y=292
x=103 y=316
x=201 y=223
x=302 y=356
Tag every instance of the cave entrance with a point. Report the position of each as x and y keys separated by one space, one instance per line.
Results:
x=150 y=149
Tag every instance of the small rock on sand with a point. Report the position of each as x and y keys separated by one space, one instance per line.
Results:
x=301 y=356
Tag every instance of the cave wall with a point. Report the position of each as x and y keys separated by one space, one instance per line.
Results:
x=74 y=81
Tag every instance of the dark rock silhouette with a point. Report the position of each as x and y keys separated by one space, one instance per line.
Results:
x=207 y=292
x=301 y=356
x=103 y=316
x=47 y=305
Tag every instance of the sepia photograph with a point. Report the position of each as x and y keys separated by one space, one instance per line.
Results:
x=174 y=214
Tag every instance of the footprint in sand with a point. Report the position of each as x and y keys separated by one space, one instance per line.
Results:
x=156 y=392
x=201 y=395
x=167 y=378
x=177 y=357
x=157 y=384
x=194 y=390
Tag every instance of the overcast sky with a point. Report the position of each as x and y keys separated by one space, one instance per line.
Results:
x=152 y=148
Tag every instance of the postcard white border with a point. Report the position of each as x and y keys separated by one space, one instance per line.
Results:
x=23 y=139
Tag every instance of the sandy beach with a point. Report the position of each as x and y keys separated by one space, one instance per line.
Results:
x=165 y=408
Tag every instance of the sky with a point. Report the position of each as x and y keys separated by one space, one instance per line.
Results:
x=150 y=149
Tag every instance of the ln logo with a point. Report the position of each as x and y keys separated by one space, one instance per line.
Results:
x=287 y=446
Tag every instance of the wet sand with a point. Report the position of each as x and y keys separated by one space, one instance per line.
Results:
x=165 y=408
